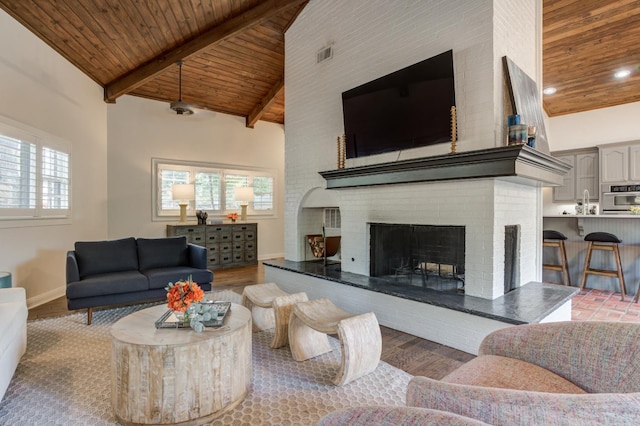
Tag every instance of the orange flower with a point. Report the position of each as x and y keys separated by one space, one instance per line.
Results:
x=182 y=294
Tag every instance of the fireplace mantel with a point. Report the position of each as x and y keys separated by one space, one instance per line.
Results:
x=517 y=162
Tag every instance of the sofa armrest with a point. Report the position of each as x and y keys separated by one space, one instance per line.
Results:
x=406 y=416
x=13 y=294
x=575 y=350
x=197 y=256
x=73 y=273
x=508 y=407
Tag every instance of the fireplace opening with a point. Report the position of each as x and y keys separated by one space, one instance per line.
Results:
x=427 y=256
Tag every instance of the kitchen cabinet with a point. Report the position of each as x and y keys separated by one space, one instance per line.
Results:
x=567 y=191
x=583 y=175
x=634 y=163
x=614 y=164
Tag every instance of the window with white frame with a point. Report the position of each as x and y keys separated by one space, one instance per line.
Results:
x=35 y=179
x=215 y=186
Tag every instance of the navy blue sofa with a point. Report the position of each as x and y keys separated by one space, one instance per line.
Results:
x=101 y=273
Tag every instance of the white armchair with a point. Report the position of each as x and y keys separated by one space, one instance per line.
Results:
x=13 y=339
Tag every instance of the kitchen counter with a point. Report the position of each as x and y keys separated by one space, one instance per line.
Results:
x=575 y=227
x=595 y=216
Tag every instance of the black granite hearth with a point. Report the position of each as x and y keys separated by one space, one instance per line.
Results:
x=525 y=305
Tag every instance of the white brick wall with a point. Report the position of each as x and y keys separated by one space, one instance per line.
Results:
x=372 y=38
x=448 y=327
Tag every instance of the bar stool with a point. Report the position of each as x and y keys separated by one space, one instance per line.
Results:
x=605 y=242
x=556 y=239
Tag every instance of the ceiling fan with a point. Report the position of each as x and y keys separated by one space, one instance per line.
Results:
x=181 y=108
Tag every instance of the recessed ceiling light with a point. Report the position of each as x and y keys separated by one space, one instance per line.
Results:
x=549 y=91
x=622 y=74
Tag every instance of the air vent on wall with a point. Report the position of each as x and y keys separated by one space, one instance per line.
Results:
x=324 y=54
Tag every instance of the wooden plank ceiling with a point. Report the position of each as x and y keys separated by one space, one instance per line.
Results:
x=233 y=50
x=585 y=42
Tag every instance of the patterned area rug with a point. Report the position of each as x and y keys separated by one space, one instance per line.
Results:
x=63 y=379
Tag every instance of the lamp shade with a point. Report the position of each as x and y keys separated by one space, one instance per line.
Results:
x=183 y=191
x=244 y=194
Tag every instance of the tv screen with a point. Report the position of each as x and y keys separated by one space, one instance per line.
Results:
x=405 y=109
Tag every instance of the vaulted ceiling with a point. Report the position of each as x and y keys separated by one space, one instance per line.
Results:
x=585 y=42
x=233 y=50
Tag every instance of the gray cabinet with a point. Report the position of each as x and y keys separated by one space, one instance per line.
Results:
x=620 y=163
x=583 y=175
x=228 y=245
x=634 y=163
x=614 y=164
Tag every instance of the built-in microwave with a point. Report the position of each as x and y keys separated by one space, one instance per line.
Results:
x=619 y=198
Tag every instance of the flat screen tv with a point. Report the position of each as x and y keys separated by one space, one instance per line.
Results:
x=405 y=109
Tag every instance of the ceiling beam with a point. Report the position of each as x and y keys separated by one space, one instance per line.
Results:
x=258 y=110
x=136 y=78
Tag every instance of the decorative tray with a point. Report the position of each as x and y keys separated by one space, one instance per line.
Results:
x=170 y=320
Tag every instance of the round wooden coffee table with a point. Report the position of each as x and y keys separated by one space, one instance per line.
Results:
x=167 y=376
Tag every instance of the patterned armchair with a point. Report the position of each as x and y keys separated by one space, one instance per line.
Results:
x=584 y=373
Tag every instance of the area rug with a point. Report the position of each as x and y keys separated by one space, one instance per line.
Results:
x=63 y=379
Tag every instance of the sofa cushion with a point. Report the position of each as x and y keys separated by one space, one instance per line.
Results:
x=510 y=373
x=161 y=277
x=105 y=284
x=162 y=252
x=102 y=257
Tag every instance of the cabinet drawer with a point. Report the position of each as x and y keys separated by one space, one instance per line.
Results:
x=238 y=257
x=196 y=239
x=213 y=260
x=226 y=258
x=250 y=245
x=213 y=248
x=250 y=256
x=212 y=237
x=243 y=228
x=238 y=235
x=238 y=246
x=194 y=234
x=226 y=248
x=225 y=236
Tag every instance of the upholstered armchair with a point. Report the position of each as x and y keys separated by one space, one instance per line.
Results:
x=405 y=416
x=584 y=373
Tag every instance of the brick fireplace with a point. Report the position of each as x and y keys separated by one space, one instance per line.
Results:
x=483 y=192
x=370 y=39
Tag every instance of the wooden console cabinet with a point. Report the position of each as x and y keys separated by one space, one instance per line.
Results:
x=228 y=245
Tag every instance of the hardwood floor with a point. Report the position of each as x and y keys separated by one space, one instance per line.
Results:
x=412 y=354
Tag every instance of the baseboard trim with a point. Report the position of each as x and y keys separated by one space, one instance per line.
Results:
x=271 y=256
x=43 y=298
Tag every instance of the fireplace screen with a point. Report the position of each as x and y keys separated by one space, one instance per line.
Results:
x=425 y=255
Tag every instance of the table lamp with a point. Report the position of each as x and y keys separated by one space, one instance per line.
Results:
x=183 y=192
x=244 y=195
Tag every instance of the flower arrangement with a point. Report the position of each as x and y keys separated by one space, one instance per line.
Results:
x=182 y=294
x=635 y=209
x=233 y=216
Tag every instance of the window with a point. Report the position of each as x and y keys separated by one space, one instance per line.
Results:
x=34 y=174
x=215 y=186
